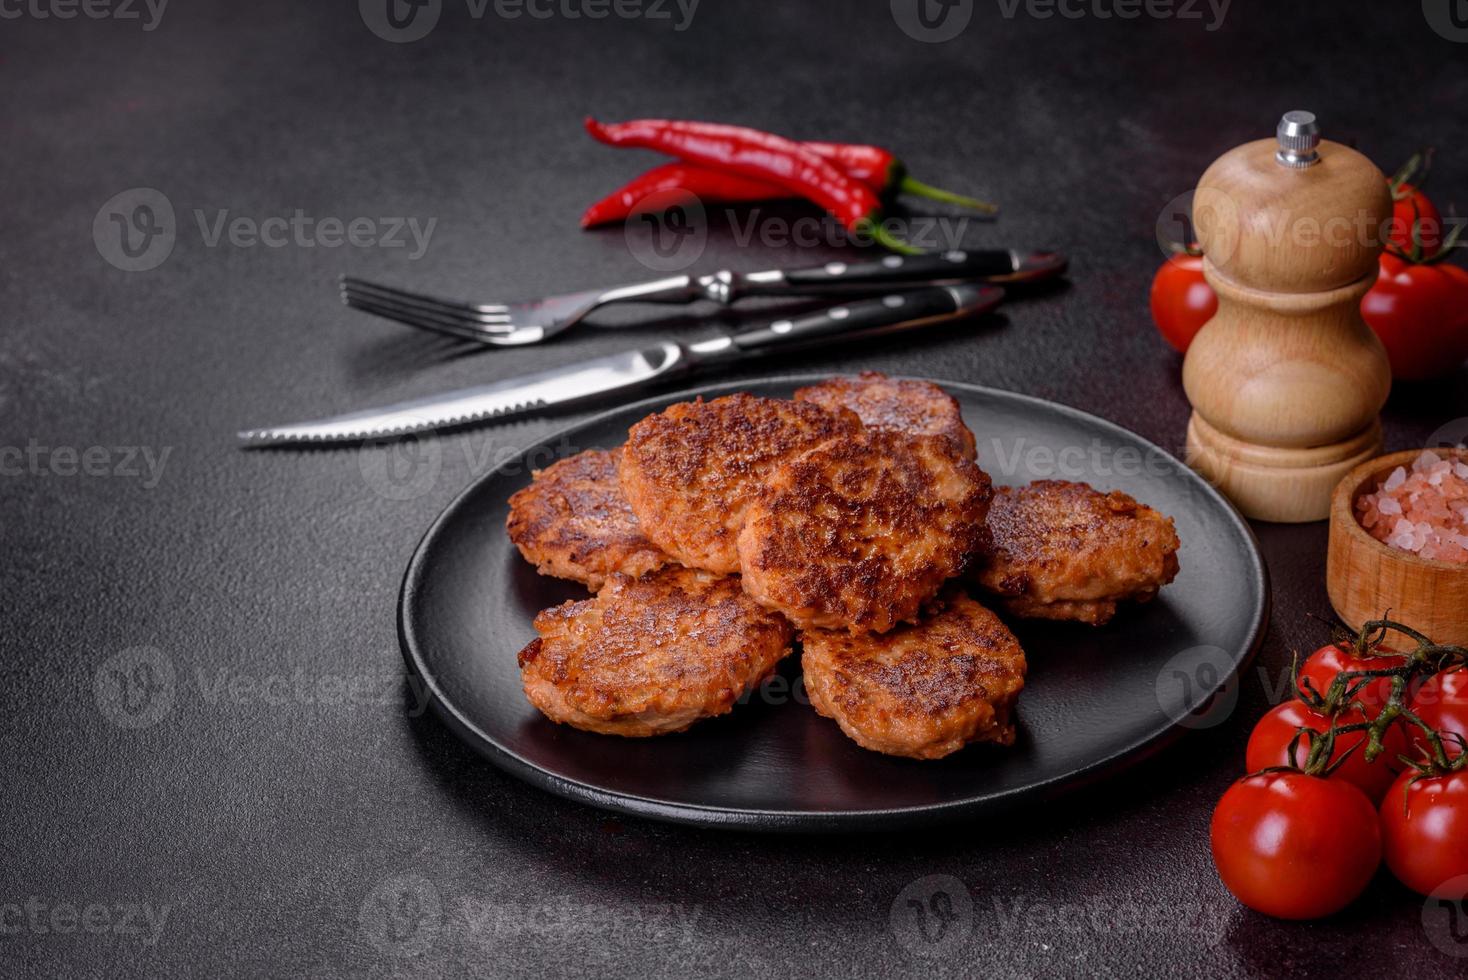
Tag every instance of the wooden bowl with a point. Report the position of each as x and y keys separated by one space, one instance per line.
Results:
x=1366 y=578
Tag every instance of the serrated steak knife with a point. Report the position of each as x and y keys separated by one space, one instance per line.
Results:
x=636 y=369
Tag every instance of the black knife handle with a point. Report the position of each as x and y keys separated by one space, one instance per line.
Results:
x=955 y=264
x=864 y=317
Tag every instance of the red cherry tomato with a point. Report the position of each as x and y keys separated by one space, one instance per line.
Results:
x=1322 y=666
x=1424 y=833
x=1270 y=741
x=1295 y=846
x=1182 y=300
x=1442 y=702
x=1411 y=205
x=1420 y=312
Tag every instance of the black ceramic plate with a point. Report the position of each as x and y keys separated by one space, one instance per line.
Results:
x=1095 y=699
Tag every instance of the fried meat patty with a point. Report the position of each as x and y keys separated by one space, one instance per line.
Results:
x=859 y=533
x=573 y=522
x=918 y=407
x=1062 y=550
x=690 y=471
x=923 y=690
x=652 y=655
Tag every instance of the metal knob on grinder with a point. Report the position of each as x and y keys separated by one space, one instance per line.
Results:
x=1298 y=137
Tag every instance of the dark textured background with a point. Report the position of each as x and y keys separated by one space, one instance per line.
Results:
x=287 y=836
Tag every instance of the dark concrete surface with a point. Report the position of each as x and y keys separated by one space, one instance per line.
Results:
x=211 y=763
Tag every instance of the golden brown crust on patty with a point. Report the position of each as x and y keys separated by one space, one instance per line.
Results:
x=652 y=655
x=1063 y=550
x=573 y=522
x=923 y=691
x=859 y=533
x=917 y=407
x=690 y=471
x=1097 y=612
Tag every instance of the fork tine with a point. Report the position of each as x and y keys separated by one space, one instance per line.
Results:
x=477 y=320
x=488 y=321
x=413 y=302
x=493 y=336
x=407 y=296
x=428 y=321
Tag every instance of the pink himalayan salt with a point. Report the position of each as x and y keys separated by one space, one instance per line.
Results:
x=1424 y=511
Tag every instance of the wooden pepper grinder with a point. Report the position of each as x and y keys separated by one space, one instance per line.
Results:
x=1286 y=380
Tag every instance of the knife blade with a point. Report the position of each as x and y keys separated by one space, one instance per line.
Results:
x=632 y=370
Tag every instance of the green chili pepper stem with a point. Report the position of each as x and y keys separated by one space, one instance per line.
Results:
x=871 y=226
x=909 y=185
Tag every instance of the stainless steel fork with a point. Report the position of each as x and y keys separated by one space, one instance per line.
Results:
x=516 y=324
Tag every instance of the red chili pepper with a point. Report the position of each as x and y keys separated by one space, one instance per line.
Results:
x=879 y=169
x=760 y=156
x=664 y=185
x=661 y=187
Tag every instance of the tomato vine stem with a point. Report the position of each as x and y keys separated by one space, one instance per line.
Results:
x=1342 y=697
